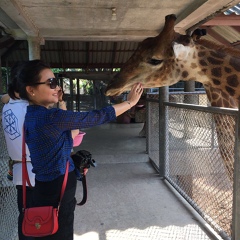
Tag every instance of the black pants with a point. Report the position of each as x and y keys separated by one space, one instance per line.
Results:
x=48 y=194
x=29 y=193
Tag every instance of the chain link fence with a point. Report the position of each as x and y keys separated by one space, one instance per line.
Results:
x=8 y=195
x=199 y=155
x=199 y=161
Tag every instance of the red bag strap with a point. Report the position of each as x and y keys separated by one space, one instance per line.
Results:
x=25 y=177
x=24 y=160
x=64 y=183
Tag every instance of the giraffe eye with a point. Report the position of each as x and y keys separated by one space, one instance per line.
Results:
x=154 y=62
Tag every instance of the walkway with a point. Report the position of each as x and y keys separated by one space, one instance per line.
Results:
x=126 y=198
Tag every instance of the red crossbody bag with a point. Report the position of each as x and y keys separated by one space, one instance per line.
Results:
x=39 y=221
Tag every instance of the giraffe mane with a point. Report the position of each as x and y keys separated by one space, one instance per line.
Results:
x=219 y=47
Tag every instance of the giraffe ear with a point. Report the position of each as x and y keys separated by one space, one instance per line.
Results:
x=181 y=52
x=198 y=33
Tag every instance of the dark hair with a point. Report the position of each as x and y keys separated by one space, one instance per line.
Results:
x=25 y=74
x=13 y=86
x=11 y=91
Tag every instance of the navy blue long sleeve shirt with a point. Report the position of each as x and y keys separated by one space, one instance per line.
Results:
x=49 y=139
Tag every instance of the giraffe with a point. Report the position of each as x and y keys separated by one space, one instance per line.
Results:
x=170 y=57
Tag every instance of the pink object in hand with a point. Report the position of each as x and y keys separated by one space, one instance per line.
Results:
x=78 y=139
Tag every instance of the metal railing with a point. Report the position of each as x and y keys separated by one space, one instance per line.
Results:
x=196 y=154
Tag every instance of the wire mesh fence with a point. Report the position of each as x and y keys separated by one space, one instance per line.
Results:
x=8 y=195
x=153 y=131
x=198 y=169
x=197 y=98
x=200 y=157
x=199 y=163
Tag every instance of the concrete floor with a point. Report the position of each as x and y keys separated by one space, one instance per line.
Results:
x=126 y=198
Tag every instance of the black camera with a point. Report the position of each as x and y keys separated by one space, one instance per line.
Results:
x=83 y=159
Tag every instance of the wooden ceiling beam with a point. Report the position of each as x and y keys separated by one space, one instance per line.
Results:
x=218 y=37
x=237 y=28
x=224 y=20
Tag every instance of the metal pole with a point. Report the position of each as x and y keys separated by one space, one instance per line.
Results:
x=236 y=184
x=189 y=86
x=147 y=128
x=71 y=94
x=94 y=94
x=212 y=131
x=163 y=133
x=78 y=95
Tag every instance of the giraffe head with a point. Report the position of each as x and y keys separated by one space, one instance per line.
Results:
x=152 y=62
x=148 y=61
x=170 y=57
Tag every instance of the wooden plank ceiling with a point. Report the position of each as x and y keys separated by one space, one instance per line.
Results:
x=103 y=42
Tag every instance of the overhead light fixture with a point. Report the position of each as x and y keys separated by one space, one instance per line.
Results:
x=114 y=14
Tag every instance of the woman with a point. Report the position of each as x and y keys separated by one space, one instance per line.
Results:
x=48 y=136
x=13 y=115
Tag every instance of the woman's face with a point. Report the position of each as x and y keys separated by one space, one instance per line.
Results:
x=42 y=94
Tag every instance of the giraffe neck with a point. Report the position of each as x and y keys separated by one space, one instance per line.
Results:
x=218 y=70
x=218 y=98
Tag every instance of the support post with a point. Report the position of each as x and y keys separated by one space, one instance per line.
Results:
x=236 y=184
x=34 y=48
x=186 y=180
x=189 y=86
x=163 y=132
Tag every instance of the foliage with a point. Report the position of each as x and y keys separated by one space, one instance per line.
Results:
x=57 y=70
x=86 y=86
x=61 y=70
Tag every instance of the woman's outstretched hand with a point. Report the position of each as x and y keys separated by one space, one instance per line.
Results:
x=132 y=99
x=135 y=94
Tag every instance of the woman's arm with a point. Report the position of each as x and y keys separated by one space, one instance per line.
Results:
x=69 y=120
x=132 y=99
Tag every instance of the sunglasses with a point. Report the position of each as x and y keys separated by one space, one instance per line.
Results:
x=52 y=82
